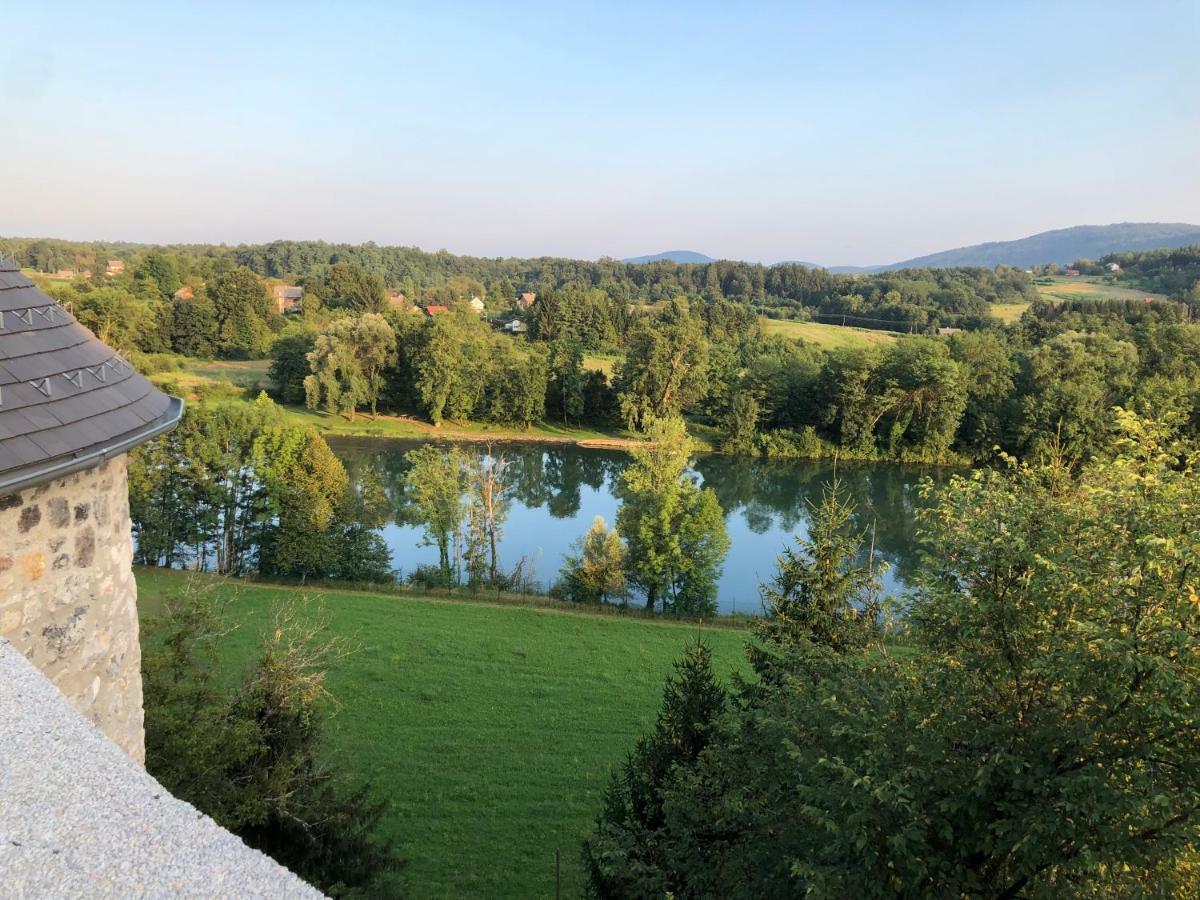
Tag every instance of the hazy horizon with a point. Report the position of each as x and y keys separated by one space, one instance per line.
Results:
x=841 y=137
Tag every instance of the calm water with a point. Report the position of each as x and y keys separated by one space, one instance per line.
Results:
x=558 y=490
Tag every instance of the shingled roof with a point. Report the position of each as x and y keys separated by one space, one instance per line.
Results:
x=67 y=400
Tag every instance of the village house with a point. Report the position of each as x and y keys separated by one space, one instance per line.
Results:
x=397 y=300
x=1072 y=272
x=79 y=815
x=526 y=300
x=516 y=326
x=115 y=267
x=436 y=309
x=476 y=305
x=288 y=298
x=184 y=293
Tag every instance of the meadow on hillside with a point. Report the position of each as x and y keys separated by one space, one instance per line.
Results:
x=491 y=729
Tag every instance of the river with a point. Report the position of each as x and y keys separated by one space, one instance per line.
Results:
x=557 y=490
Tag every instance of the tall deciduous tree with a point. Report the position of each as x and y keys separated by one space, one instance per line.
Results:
x=433 y=488
x=665 y=367
x=348 y=361
x=675 y=531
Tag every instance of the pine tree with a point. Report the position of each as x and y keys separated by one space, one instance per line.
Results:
x=820 y=594
x=625 y=855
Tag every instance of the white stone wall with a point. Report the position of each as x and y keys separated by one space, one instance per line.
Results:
x=68 y=600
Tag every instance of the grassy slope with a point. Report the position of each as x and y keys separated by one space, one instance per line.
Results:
x=828 y=336
x=492 y=729
x=1084 y=287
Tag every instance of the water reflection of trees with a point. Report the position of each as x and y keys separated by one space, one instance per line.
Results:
x=774 y=494
x=768 y=494
x=539 y=476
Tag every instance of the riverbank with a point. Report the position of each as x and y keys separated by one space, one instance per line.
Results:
x=225 y=382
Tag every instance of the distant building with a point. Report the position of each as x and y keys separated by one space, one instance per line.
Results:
x=1113 y=267
x=526 y=300
x=436 y=309
x=1072 y=272
x=184 y=293
x=288 y=298
x=945 y=329
x=516 y=326
x=397 y=300
x=115 y=267
x=476 y=305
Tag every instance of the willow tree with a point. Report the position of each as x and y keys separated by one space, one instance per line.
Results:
x=347 y=361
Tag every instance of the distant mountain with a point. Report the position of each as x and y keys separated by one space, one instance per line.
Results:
x=798 y=262
x=675 y=256
x=1063 y=245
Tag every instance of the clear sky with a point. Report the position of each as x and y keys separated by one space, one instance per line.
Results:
x=840 y=133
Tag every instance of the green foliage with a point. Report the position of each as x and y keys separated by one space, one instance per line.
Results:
x=1040 y=745
x=433 y=488
x=289 y=362
x=565 y=397
x=665 y=367
x=345 y=285
x=348 y=361
x=194 y=327
x=595 y=573
x=627 y=854
x=253 y=758
x=244 y=314
x=674 y=530
x=820 y=593
x=234 y=489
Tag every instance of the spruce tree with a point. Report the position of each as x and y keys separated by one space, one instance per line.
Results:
x=625 y=856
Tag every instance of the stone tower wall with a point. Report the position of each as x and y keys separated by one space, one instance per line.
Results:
x=68 y=600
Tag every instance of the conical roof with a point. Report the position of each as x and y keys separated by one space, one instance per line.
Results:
x=68 y=401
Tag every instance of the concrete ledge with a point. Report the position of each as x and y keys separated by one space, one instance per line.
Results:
x=79 y=818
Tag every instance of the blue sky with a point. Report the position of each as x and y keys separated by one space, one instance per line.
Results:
x=839 y=133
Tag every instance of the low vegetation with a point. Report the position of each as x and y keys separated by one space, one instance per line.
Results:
x=490 y=730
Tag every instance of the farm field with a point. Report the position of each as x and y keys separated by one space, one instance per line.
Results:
x=492 y=729
x=1009 y=312
x=829 y=336
x=1085 y=287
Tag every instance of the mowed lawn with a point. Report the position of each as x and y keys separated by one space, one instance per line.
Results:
x=491 y=729
x=829 y=336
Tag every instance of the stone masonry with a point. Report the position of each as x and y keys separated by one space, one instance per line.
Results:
x=68 y=600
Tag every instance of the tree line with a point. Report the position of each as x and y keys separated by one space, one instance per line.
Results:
x=917 y=298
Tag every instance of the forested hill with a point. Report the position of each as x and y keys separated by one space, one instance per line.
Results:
x=676 y=256
x=1063 y=246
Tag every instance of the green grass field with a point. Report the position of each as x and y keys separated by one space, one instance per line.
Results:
x=828 y=336
x=1088 y=287
x=492 y=729
x=1009 y=313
